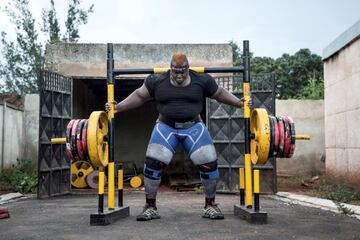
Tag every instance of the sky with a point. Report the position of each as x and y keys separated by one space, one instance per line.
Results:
x=273 y=27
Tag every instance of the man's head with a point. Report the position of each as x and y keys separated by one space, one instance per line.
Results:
x=179 y=67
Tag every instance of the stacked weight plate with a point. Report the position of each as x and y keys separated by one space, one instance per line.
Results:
x=282 y=136
x=87 y=147
x=76 y=135
x=76 y=148
x=272 y=136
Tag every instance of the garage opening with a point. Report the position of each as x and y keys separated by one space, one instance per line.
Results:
x=132 y=128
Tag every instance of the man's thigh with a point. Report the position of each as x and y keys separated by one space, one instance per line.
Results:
x=162 y=144
x=198 y=144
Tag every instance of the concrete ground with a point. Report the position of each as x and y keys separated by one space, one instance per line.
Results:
x=68 y=218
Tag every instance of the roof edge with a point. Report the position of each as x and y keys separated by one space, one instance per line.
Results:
x=342 y=41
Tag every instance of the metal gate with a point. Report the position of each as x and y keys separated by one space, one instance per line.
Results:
x=226 y=126
x=55 y=113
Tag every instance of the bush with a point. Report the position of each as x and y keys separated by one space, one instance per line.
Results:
x=21 y=177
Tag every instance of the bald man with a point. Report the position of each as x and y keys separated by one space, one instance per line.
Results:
x=179 y=95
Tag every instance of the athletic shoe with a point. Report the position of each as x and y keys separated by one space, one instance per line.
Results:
x=213 y=212
x=148 y=213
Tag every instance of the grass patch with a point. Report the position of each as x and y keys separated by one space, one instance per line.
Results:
x=21 y=177
x=340 y=193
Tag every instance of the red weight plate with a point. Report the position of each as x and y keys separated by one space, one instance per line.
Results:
x=292 y=129
x=84 y=138
x=281 y=137
x=272 y=132
x=4 y=215
x=3 y=210
x=293 y=134
x=276 y=137
x=287 y=132
x=79 y=145
x=73 y=140
x=68 y=139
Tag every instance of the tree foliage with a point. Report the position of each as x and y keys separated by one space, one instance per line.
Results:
x=297 y=76
x=75 y=18
x=51 y=23
x=23 y=58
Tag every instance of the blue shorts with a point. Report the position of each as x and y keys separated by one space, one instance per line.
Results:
x=196 y=141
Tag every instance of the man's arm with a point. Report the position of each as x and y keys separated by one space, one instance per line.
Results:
x=224 y=96
x=134 y=100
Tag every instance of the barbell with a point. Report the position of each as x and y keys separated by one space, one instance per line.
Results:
x=271 y=136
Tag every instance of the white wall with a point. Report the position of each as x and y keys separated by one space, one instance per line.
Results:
x=11 y=135
x=342 y=112
x=308 y=116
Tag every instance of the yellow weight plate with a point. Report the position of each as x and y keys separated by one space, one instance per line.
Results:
x=260 y=127
x=98 y=127
x=136 y=181
x=79 y=171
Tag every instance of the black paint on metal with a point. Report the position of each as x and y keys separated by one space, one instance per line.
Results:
x=55 y=92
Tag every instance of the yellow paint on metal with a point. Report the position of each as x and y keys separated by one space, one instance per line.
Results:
x=79 y=170
x=256 y=181
x=198 y=69
x=111 y=186
x=58 y=140
x=111 y=99
x=246 y=87
x=98 y=127
x=248 y=181
x=242 y=178
x=120 y=179
x=160 y=70
x=136 y=181
x=260 y=127
x=302 y=137
x=101 y=181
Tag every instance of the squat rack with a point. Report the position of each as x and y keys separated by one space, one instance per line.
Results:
x=245 y=174
x=244 y=210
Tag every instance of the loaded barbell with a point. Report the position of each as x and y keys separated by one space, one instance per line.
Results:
x=271 y=136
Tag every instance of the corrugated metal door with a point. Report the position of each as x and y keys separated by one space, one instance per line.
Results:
x=226 y=126
x=55 y=113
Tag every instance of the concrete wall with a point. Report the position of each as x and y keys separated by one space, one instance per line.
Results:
x=342 y=111
x=308 y=116
x=21 y=135
x=11 y=135
x=31 y=126
x=80 y=60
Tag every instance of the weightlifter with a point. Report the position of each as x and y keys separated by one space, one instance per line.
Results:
x=179 y=95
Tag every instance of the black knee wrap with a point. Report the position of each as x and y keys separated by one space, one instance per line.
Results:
x=153 y=168
x=208 y=167
x=209 y=170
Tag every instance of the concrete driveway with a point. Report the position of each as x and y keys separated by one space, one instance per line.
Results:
x=68 y=218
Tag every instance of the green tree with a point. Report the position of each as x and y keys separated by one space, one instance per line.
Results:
x=297 y=76
x=75 y=18
x=298 y=73
x=51 y=23
x=23 y=58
